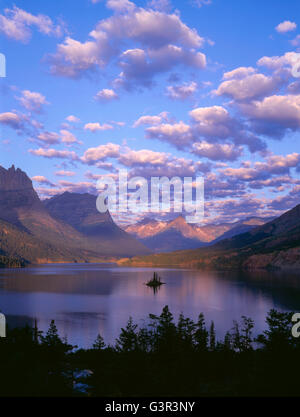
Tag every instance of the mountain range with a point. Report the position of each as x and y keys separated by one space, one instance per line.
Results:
x=274 y=245
x=66 y=228
x=177 y=234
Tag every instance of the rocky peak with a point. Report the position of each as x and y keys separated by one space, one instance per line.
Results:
x=13 y=179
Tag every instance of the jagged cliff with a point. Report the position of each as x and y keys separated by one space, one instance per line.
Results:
x=30 y=233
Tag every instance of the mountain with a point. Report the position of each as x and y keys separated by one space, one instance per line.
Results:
x=30 y=233
x=79 y=211
x=275 y=244
x=177 y=234
x=242 y=226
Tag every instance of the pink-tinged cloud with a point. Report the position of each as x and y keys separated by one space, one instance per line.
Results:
x=32 y=101
x=72 y=119
x=276 y=63
x=94 y=155
x=11 y=119
x=65 y=173
x=212 y=121
x=286 y=26
x=296 y=41
x=120 y=5
x=274 y=165
x=133 y=158
x=16 y=24
x=53 y=153
x=200 y=3
x=250 y=87
x=178 y=133
x=68 y=137
x=160 y=5
x=239 y=73
x=275 y=114
x=95 y=127
x=161 y=42
x=139 y=66
x=217 y=152
x=48 y=138
x=42 y=180
x=106 y=95
x=73 y=58
x=151 y=120
x=182 y=92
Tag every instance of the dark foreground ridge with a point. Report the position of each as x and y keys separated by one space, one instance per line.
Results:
x=163 y=359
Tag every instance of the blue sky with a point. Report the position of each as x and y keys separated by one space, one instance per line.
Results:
x=158 y=87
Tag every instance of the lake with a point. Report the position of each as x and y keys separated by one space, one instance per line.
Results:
x=87 y=299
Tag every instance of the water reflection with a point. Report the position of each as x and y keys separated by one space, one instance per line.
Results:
x=87 y=299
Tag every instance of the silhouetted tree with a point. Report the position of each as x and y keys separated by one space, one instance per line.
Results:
x=128 y=340
x=246 y=339
x=201 y=334
x=185 y=331
x=279 y=333
x=99 y=343
x=52 y=338
x=212 y=337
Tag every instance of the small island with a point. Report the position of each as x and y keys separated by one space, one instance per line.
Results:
x=155 y=282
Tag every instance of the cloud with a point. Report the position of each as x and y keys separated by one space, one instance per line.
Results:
x=182 y=92
x=106 y=95
x=213 y=124
x=143 y=157
x=65 y=173
x=16 y=24
x=95 y=127
x=279 y=63
x=294 y=88
x=32 y=101
x=275 y=114
x=139 y=66
x=53 y=153
x=93 y=155
x=151 y=120
x=74 y=59
x=48 y=138
x=214 y=121
x=275 y=165
x=42 y=180
x=178 y=134
x=160 y=5
x=72 y=119
x=250 y=87
x=296 y=41
x=150 y=28
x=11 y=119
x=286 y=26
x=217 y=152
x=158 y=42
x=239 y=73
x=68 y=137
x=200 y=3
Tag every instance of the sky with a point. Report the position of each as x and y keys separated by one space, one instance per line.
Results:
x=158 y=87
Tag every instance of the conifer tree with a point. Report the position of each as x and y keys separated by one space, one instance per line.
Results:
x=99 y=343
x=212 y=337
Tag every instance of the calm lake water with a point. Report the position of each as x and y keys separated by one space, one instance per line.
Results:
x=87 y=299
